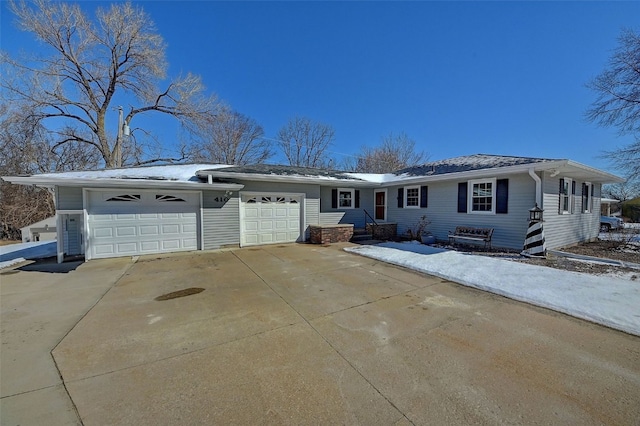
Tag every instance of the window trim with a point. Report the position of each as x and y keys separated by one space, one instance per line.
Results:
x=568 y=182
x=589 y=199
x=470 y=185
x=406 y=197
x=351 y=191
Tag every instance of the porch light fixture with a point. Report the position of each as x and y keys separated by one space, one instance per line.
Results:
x=535 y=214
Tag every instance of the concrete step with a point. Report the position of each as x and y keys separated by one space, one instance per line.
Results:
x=360 y=234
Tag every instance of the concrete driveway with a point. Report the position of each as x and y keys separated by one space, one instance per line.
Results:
x=300 y=334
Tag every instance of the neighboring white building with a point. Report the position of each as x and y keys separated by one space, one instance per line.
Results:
x=605 y=206
x=144 y=210
x=45 y=230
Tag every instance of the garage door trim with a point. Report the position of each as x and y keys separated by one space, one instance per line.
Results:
x=300 y=199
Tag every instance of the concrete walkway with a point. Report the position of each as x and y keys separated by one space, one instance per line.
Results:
x=302 y=334
x=40 y=303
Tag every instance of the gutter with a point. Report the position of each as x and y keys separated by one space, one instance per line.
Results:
x=538 y=181
x=120 y=183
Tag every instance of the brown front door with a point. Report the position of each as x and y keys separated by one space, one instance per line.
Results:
x=381 y=206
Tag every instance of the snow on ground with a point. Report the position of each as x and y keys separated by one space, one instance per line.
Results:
x=16 y=253
x=609 y=301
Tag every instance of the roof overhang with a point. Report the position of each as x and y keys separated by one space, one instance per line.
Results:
x=564 y=168
x=50 y=182
x=575 y=170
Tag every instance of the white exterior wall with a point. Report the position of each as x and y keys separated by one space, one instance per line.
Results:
x=220 y=219
x=355 y=216
x=510 y=229
x=69 y=198
x=562 y=230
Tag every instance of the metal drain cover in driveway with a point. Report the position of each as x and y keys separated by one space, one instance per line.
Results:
x=180 y=293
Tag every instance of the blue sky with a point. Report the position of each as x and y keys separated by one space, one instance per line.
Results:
x=458 y=77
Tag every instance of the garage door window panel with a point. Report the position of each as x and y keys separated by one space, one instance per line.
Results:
x=125 y=197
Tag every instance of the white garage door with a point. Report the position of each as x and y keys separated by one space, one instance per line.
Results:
x=139 y=222
x=270 y=219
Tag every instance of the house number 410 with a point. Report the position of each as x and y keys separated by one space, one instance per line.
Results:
x=221 y=199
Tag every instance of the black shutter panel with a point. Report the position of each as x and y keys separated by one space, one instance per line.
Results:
x=424 y=196
x=573 y=196
x=560 y=189
x=357 y=195
x=585 y=197
x=334 y=198
x=502 y=196
x=400 y=198
x=462 y=197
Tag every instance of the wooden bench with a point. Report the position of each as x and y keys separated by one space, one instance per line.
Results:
x=468 y=233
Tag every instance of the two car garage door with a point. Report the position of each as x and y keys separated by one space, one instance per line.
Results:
x=139 y=222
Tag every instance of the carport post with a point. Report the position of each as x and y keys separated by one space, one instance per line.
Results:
x=59 y=238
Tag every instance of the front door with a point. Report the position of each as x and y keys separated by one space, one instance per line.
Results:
x=73 y=234
x=381 y=205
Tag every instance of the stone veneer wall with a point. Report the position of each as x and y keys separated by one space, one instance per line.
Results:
x=382 y=231
x=325 y=234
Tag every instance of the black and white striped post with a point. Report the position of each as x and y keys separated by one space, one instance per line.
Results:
x=534 y=242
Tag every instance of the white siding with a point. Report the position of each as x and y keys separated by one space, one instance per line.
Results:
x=311 y=214
x=331 y=218
x=220 y=220
x=69 y=198
x=509 y=229
x=355 y=216
x=563 y=230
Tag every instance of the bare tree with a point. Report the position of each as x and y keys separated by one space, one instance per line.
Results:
x=26 y=149
x=622 y=191
x=395 y=152
x=94 y=64
x=304 y=142
x=618 y=99
x=231 y=138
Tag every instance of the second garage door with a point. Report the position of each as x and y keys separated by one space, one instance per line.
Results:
x=139 y=222
x=270 y=219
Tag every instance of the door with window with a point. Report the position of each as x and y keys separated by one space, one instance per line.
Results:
x=380 y=205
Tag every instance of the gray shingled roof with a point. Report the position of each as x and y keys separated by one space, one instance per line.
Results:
x=468 y=163
x=269 y=169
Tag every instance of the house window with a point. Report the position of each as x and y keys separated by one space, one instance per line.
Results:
x=345 y=198
x=412 y=197
x=565 y=196
x=482 y=196
x=587 y=197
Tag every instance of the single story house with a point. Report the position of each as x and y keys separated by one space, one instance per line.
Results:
x=157 y=209
x=44 y=230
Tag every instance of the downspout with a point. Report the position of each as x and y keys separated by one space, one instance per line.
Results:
x=59 y=226
x=538 y=181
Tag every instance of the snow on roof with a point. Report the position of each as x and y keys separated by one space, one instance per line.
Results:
x=174 y=172
x=468 y=163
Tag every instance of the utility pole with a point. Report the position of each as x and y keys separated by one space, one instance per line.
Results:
x=118 y=147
